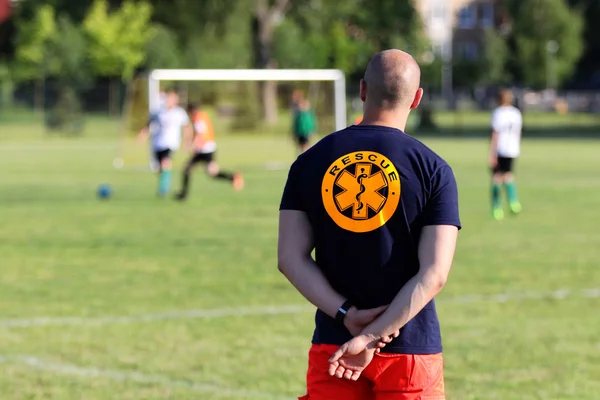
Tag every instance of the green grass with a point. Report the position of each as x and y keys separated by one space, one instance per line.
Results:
x=65 y=253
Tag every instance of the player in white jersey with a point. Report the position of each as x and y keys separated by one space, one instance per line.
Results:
x=505 y=148
x=165 y=128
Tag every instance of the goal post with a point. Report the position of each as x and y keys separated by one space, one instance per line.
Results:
x=289 y=75
x=326 y=91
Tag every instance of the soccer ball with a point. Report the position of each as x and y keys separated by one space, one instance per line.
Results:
x=104 y=191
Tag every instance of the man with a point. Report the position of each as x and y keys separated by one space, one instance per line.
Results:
x=204 y=147
x=380 y=210
x=165 y=126
x=305 y=125
x=507 y=123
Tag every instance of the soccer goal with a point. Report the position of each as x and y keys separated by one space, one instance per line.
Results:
x=326 y=89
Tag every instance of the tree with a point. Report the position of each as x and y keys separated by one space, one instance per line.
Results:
x=493 y=64
x=118 y=39
x=162 y=50
x=32 y=59
x=589 y=64
x=264 y=20
x=346 y=34
x=537 y=25
x=72 y=73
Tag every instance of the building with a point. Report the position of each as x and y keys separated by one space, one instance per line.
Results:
x=456 y=27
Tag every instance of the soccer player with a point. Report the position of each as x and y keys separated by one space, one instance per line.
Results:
x=165 y=128
x=305 y=125
x=380 y=209
x=507 y=123
x=204 y=147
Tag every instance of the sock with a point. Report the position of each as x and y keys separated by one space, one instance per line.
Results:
x=164 y=184
x=511 y=191
x=185 y=184
x=224 y=175
x=496 y=201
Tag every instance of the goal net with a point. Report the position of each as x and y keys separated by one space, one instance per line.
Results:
x=232 y=99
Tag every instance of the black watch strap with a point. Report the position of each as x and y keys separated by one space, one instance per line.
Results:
x=342 y=311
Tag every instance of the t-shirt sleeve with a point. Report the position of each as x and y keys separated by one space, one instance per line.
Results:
x=185 y=120
x=293 y=198
x=153 y=117
x=494 y=122
x=442 y=206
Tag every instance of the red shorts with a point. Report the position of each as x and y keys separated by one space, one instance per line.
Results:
x=388 y=377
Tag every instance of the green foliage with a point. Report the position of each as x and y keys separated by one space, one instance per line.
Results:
x=66 y=116
x=6 y=85
x=70 y=52
x=294 y=50
x=54 y=47
x=537 y=22
x=590 y=10
x=162 y=49
x=344 y=35
x=247 y=110
x=118 y=39
x=466 y=73
x=431 y=72
x=32 y=60
x=493 y=64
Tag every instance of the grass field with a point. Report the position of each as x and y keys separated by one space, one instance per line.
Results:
x=142 y=298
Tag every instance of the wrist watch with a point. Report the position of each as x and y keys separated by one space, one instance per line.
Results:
x=342 y=311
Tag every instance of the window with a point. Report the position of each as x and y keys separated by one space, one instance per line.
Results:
x=469 y=51
x=467 y=17
x=487 y=15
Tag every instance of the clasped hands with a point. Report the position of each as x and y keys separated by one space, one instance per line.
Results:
x=350 y=360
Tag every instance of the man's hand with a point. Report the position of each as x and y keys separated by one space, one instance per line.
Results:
x=356 y=320
x=350 y=360
x=493 y=162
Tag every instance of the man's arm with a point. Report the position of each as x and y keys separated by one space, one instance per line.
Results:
x=493 y=153
x=436 y=252
x=145 y=131
x=295 y=262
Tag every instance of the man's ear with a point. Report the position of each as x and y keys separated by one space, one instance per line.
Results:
x=417 y=99
x=363 y=90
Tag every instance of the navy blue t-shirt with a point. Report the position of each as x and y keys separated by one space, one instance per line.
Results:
x=368 y=191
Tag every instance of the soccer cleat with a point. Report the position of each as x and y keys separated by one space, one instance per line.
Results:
x=498 y=214
x=238 y=181
x=180 y=196
x=515 y=207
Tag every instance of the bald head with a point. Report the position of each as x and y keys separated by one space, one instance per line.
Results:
x=392 y=80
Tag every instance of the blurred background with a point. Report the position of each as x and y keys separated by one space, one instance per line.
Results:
x=144 y=298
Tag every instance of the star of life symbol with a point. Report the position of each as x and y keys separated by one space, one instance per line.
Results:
x=361 y=191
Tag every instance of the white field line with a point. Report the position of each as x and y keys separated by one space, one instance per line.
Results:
x=58 y=146
x=277 y=310
x=130 y=376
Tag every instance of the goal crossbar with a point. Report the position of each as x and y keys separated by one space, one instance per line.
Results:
x=334 y=75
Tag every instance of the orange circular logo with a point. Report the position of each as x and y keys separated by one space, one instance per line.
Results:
x=361 y=191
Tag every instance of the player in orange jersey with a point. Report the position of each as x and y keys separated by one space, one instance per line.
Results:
x=204 y=148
